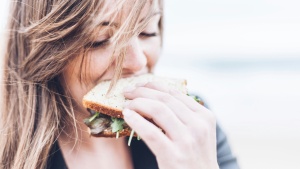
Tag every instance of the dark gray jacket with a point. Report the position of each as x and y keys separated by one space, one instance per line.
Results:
x=144 y=159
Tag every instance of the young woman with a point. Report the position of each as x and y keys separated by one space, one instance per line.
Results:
x=57 y=51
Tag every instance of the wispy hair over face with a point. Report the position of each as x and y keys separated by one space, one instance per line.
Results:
x=45 y=36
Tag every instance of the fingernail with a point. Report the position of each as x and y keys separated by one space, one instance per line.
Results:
x=128 y=89
x=141 y=84
x=127 y=112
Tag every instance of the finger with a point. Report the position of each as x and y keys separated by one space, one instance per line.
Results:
x=153 y=136
x=160 y=114
x=179 y=108
x=188 y=101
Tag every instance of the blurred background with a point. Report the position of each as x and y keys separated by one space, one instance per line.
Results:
x=243 y=58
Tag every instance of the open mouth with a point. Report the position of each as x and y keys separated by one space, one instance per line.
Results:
x=99 y=122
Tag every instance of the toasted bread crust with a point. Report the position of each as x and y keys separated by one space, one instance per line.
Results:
x=110 y=111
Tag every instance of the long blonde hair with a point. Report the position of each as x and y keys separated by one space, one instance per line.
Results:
x=44 y=36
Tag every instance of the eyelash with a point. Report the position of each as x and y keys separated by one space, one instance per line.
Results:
x=98 y=44
x=147 y=35
x=102 y=43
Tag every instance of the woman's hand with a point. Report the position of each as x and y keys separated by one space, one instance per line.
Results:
x=189 y=138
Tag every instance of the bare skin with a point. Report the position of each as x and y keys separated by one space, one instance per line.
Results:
x=97 y=153
x=189 y=140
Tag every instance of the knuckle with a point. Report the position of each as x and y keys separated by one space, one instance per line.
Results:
x=205 y=132
x=151 y=84
x=181 y=157
x=188 y=141
x=203 y=129
x=157 y=107
x=165 y=97
x=207 y=116
x=161 y=111
x=132 y=103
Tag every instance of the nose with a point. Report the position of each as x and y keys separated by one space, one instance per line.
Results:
x=135 y=58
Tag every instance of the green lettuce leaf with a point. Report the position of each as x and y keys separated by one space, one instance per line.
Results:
x=88 y=121
x=117 y=124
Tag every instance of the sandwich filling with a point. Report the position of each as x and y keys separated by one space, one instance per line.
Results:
x=99 y=122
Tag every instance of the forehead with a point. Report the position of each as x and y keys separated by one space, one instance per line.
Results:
x=128 y=9
x=123 y=19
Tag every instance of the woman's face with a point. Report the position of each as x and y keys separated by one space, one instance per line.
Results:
x=142 y=54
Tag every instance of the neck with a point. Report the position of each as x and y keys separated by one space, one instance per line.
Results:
x=93 y=151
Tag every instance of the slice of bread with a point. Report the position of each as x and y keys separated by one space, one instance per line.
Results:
x=112 y=104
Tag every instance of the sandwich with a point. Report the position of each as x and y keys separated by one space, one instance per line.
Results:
x=106 y=119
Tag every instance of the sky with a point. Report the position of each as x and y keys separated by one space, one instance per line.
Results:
x=256 y=29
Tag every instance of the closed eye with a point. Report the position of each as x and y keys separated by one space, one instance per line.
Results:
x=147 y=35
x=98 y=44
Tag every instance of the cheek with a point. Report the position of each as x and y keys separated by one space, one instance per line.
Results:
x=72 y=85
x=90 y=71
x=98 y=64
x=152 y=51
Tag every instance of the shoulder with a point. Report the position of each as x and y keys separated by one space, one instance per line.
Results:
x=226 y=158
